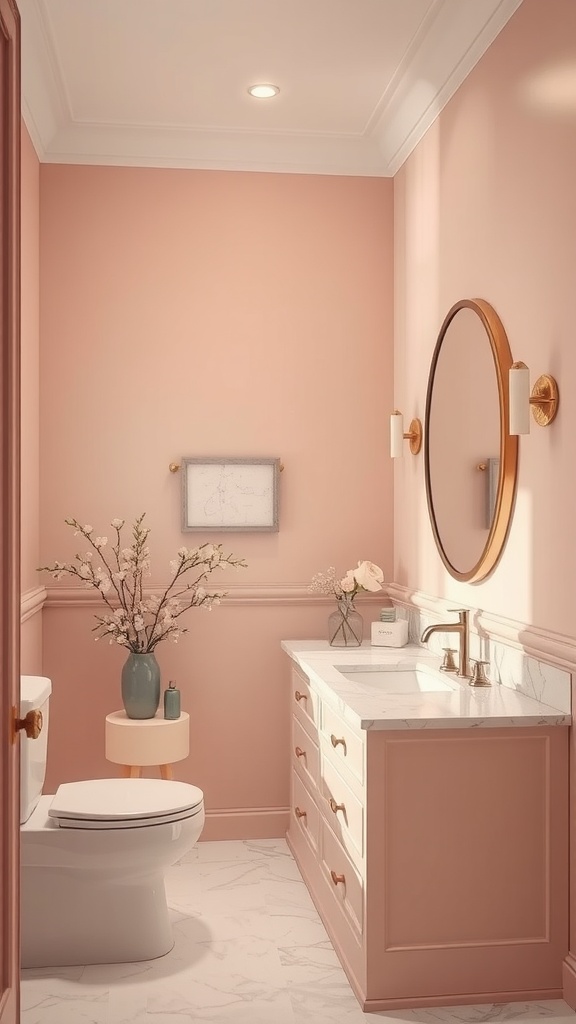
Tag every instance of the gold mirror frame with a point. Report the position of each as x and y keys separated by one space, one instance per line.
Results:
x=506 y=489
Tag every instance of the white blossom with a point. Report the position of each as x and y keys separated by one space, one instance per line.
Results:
x=142 y=620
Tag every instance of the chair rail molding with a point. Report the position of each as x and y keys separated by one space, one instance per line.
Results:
x=547 y=645
x=252 y=594
x=32 y=602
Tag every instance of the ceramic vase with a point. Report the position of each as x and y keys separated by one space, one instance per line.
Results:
x=141 y=685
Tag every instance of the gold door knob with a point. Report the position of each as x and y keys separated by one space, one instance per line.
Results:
x=299 y=752
x=31 y=724
x=337 y=878
x=335 y=741
x=334 y=807
x=300 y=696
x=299 y=813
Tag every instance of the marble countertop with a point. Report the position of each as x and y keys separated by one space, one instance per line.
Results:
x=371 y=707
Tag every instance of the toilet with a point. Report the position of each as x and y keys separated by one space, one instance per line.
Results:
x=94 y=856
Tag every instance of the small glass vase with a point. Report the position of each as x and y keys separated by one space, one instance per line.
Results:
x=141 y=685
x=345 y=625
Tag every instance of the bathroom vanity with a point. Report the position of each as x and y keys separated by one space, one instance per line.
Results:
x=430 y=823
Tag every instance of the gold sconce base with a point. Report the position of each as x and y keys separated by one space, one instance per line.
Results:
x=414 y=436
x=544 y=400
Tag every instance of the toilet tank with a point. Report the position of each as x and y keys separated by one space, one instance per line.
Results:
x=34 y=693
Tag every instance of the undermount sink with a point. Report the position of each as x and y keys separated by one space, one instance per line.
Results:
x=396 y=678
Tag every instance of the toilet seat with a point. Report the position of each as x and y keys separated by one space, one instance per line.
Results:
x=124 y=803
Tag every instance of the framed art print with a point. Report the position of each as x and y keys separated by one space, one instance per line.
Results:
x=230 y=494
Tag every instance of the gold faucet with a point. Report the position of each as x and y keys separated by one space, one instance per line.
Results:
x=460 y=627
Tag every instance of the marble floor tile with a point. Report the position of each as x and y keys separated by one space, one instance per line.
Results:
x=249 y=948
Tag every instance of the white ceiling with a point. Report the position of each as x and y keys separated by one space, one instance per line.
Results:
x=163 y=83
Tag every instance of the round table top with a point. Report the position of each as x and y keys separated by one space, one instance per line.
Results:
x=120 y=718
x=146 y=741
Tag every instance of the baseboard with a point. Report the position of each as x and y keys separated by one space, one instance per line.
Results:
x=462 y=999
x=569 y=980
x=246 y=823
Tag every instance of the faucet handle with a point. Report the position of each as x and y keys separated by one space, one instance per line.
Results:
x=448 y=665
x=478 y=676
x=459 y=611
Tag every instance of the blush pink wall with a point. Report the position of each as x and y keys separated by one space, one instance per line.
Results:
x=31 y=633
x=212 y=313
x=486 y=207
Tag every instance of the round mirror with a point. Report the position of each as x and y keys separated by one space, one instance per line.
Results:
x=470 y=458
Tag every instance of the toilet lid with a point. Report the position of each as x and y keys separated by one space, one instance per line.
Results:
x=124 y=803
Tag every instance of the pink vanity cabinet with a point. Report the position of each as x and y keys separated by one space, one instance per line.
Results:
x=437 y=859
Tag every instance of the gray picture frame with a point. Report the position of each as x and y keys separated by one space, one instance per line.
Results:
x=232 y=494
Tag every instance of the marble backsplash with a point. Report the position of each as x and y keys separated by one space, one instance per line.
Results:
x=507 y=665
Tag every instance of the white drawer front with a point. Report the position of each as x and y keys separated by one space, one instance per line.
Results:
x=347 y=745
x=305 y=815
x=305 y=703
x=344 y=881
x=305 y=753
x=342 y=809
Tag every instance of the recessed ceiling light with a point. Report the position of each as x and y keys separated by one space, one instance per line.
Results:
x=263 y=92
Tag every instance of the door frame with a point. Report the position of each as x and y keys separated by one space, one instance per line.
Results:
x=10 y=121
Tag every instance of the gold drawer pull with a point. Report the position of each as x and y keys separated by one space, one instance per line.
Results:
x=299 y=813
x=335 y=741
x=299 y=752
x=337 y=878
x=300 y=696
x=334 y=807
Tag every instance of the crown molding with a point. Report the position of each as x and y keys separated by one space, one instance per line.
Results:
x=44 y=105
x=457 y=35
x=451 y=40
x=174 y=147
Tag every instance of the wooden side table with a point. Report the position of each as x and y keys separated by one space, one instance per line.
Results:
x=137 y=743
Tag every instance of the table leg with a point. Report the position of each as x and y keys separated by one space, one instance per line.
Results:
x=132 y=771
x=166 y=771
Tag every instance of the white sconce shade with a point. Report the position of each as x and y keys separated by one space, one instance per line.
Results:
x=541 y=401
x=519 y=390
x=396 y=435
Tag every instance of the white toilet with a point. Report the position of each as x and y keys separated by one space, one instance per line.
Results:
x=94 y=856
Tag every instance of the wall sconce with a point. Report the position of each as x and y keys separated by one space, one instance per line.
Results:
x=543 y=399
x=397 y=435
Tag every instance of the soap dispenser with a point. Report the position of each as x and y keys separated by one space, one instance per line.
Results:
x=171 y=701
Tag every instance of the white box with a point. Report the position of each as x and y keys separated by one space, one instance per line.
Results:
x=390 y=634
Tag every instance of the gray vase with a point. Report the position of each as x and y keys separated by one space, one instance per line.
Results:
x=141 y=685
